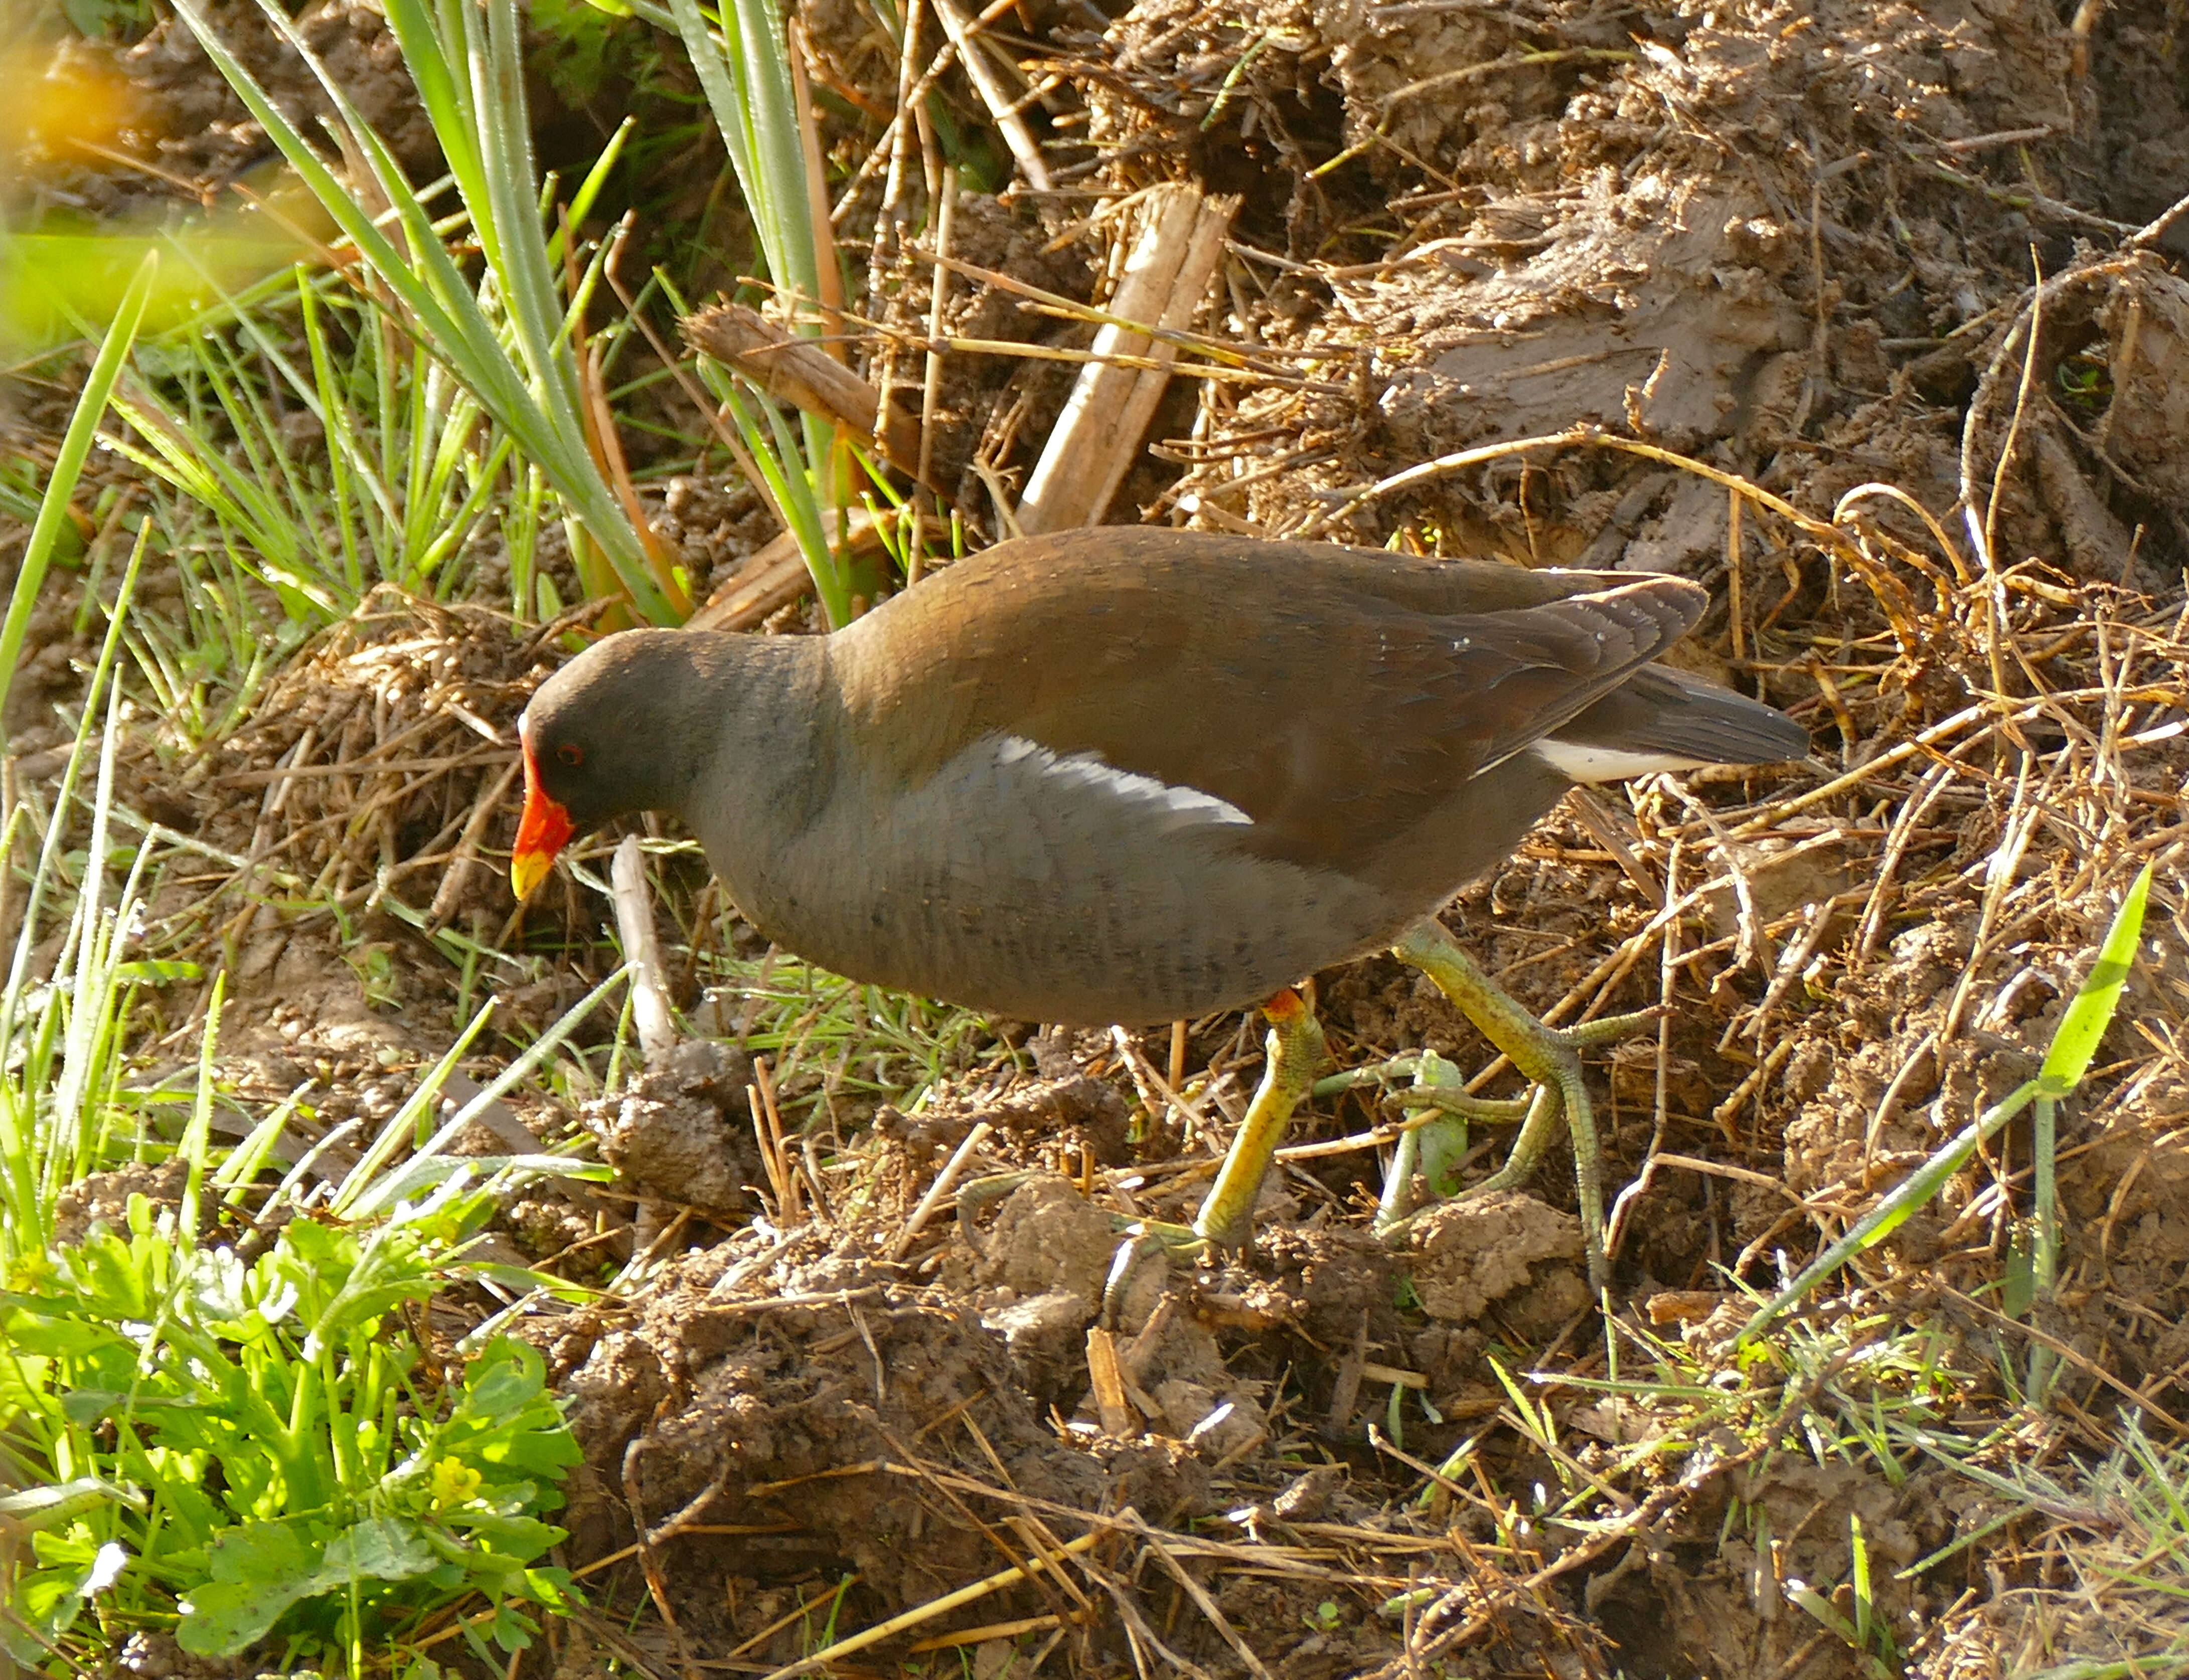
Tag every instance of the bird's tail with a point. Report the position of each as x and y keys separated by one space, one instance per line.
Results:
x=1661 y=719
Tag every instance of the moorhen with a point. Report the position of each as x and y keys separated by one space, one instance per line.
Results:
x=1133 y=775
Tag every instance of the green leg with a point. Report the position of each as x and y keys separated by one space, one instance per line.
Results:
x=1296 y=1052
x=1549 y=1056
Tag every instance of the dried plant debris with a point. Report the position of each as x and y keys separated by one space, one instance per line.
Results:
x=1773 y=239
x=380 y=763
x=1822 y=253
x=1890 y=292
x=762 y=1415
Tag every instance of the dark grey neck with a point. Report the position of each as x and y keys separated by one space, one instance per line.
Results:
x=765 y=703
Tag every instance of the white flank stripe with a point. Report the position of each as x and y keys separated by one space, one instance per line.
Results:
x=1087 y=770
x=1605 y=764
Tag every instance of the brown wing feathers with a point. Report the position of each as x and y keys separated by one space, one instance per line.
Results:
x=1246 y=693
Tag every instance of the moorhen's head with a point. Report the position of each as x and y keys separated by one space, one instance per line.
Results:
x=602 y=738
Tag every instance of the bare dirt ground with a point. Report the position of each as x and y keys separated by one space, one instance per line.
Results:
x=1907 y=269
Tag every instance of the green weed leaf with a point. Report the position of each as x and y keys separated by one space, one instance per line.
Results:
x=379 y=1548
x=2092 y=1010
x=258 y=1571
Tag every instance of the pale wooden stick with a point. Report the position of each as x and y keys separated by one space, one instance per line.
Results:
x=777 y=575
x=943 y=1181
x=1001 y=106
x=1098 y=437
x=1108 y=1384
x=926 y=1612
x=801 y=373
x=994 y=1630
x=634 y=913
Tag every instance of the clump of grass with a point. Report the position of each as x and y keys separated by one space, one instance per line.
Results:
x=309 y=447
x=510 y=338
x=242 y=1446
x=808 y=470
x=2096 y=1560
x=849 y=1038
x=217 y=1415
x=229 y=1421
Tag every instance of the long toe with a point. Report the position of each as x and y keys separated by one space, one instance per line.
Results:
x=1550 y=1056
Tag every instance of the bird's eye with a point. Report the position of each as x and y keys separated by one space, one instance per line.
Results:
x=571 y=754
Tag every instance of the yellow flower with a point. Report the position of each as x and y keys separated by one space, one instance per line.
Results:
x=454 y=1482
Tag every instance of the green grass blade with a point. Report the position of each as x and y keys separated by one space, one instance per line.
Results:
x=744 y=71
x=530 y=394
x=2068 y=1058
x=2092 y=1010
x=68 y=467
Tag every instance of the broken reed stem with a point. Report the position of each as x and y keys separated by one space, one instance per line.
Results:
x=930 y=387
x=890 y=222
x=1094 y=443
x=767 y=1129
x=801 y=371
x=1736 y=613
x=1112 y=1409
x=821 y=228
x=982 y=1635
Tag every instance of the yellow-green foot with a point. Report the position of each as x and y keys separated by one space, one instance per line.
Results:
x=1296 y=1052
x=1549 y=1056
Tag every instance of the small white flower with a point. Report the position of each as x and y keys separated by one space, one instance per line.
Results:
x=105 y=1569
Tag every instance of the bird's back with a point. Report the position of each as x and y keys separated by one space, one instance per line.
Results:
x=1132 y=776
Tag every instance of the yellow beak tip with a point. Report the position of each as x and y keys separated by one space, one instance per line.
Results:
x=526 y=872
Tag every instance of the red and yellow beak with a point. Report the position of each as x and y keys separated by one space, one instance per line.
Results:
x=542 y=832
